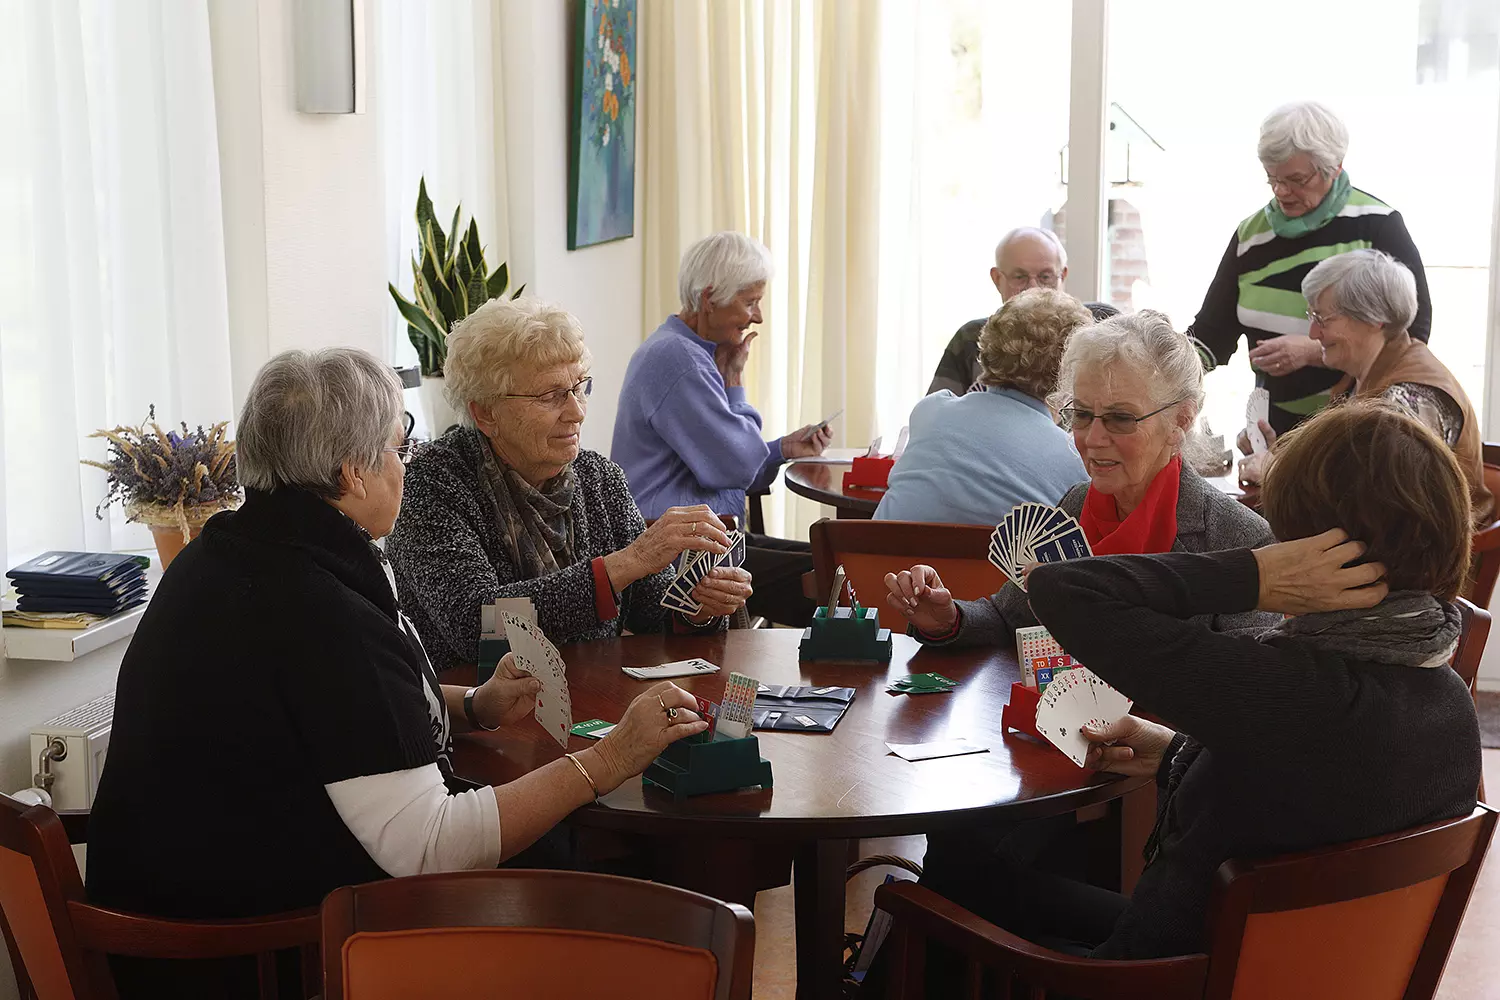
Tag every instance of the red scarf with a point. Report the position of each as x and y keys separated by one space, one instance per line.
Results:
x=1151 y=527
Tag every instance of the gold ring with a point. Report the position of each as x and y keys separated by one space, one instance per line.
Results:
x=695 y=528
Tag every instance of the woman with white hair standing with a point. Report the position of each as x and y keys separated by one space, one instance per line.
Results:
x=1314 y=214
x=685 y=434
x=1360 y=305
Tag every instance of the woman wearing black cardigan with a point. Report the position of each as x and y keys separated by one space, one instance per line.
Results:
x=279 y=731
x=1343 y=721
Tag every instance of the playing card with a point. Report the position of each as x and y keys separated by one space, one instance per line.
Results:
x=922 y=684
x=735 y=557
x=941 y=748
x=708 y=711
x=491 y=624
x=540 y=659
x=594 y=729
x=1257 y=408
x=1069 y=704
x=677 y=668
x=1111 y=703
x=1071 y=544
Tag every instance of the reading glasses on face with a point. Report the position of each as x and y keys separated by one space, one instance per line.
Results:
x=557 y=398
x=403 y=451
x=1114 y=422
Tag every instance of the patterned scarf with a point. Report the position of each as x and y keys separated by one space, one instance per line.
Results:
x=1410 y=628
x=536 y=524
x=1332 y=204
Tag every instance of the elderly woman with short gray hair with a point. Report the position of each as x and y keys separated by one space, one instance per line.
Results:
x=1130 y=388
x=1314 y=214
x=1360 y=306
x=685 y=433
x=320 y=736
x=510 y=505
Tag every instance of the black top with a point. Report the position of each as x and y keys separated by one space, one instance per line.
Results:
x=1283 y=747
x=270 y=662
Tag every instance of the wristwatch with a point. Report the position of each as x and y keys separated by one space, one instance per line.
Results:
x=469 y=712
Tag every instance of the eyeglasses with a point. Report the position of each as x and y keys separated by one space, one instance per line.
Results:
x=1322 y=319
x=404 y=452
x=1295 y=181
x=557 y=398
x=1047 y=279
x=1115 y=422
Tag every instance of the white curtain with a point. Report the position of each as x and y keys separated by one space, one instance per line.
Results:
x=112 y=287
x=440 y=117
x=764 y=116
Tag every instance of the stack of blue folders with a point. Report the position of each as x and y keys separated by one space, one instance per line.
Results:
x=94 y=583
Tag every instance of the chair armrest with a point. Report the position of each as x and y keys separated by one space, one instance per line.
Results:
x=1486 y=539
x=116 y=933
x=928 y=914
x=75 y=824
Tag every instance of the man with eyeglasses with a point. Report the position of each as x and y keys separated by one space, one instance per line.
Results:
x=1314 y=214
x=1024 y=258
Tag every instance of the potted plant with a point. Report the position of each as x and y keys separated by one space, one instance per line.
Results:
x=449 y=281
x=170 y=481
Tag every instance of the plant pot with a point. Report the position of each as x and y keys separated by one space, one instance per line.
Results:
x=436 y=412
x=169 y=541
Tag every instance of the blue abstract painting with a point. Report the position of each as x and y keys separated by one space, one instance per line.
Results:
x=601 y=174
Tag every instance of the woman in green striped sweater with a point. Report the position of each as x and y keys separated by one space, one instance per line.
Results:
x=1314 y=214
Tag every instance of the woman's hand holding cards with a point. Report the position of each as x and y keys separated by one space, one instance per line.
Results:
x=653 y=550
x=919 y=595
x=722 y=592
x=1129 y=745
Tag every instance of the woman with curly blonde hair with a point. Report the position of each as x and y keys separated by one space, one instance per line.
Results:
x=971 y=458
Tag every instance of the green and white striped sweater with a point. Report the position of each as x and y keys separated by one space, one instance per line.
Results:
x=1257 y=292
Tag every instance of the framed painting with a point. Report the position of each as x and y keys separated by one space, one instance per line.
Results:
x=601 y=162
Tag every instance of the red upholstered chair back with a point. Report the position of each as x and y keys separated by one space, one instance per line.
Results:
x=533 y=934
x=868 y=550
x=1485 y=567
x=1373 y=920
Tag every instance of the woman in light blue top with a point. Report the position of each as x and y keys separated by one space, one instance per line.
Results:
x=971 y=458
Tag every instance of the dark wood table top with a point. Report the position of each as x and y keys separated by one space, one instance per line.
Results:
x=842 y=784
x=825 y=484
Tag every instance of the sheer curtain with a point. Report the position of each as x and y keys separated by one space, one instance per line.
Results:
x=764 y=116
x=440 y=117
x=112 y=287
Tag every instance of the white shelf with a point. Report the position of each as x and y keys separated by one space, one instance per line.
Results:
x=64 y=644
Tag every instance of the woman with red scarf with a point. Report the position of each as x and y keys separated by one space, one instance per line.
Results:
x=1131 y=388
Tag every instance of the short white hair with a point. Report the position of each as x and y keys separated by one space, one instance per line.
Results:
x=727 y=262
x=1367 y=285
x=309 y=412
x=1303 y=127
x=505 y=338
x=1045 y=235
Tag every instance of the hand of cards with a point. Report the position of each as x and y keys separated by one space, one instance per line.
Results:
x=539 y=658
x=692 y=566
x=1076 y=698
x=1257 y=408
x=1032 y=533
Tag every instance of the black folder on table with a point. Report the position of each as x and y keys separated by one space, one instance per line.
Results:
x=80 y=567
x=809 y=708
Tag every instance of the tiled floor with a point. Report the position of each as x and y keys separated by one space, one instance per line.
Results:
x=1473 y=971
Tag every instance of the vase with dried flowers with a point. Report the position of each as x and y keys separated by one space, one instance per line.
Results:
x=170 y=481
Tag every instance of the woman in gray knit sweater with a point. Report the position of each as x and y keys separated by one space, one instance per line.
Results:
x=509 y=506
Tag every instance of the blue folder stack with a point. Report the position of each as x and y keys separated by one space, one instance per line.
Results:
x=95 y=583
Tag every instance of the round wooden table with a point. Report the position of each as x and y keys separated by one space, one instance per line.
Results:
x=825 y=484
x=830 y=788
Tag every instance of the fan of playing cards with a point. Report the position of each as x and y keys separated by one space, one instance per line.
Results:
x=1073 y=699
x=1034 y=532
x=692 y=566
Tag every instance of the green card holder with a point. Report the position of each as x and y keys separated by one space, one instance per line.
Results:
x=705 y=763
x=491 y=651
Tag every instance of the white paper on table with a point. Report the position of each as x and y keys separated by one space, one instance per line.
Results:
x=901 y=438
x=941 y=748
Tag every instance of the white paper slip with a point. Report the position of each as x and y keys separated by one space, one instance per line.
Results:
x=677 y=668
x=942 y=748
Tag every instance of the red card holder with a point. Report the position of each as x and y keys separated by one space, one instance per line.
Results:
x=869 y=473
x=1020 y=713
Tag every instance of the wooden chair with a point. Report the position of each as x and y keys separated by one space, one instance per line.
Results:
x=58 y=942
x=533 y=934
x=1486 y=545
x=1374 y=919
x=868 y=550
x=1466 y=658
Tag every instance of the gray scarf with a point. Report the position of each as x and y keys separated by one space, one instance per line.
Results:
x=535 y=524
x=1410 y=628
